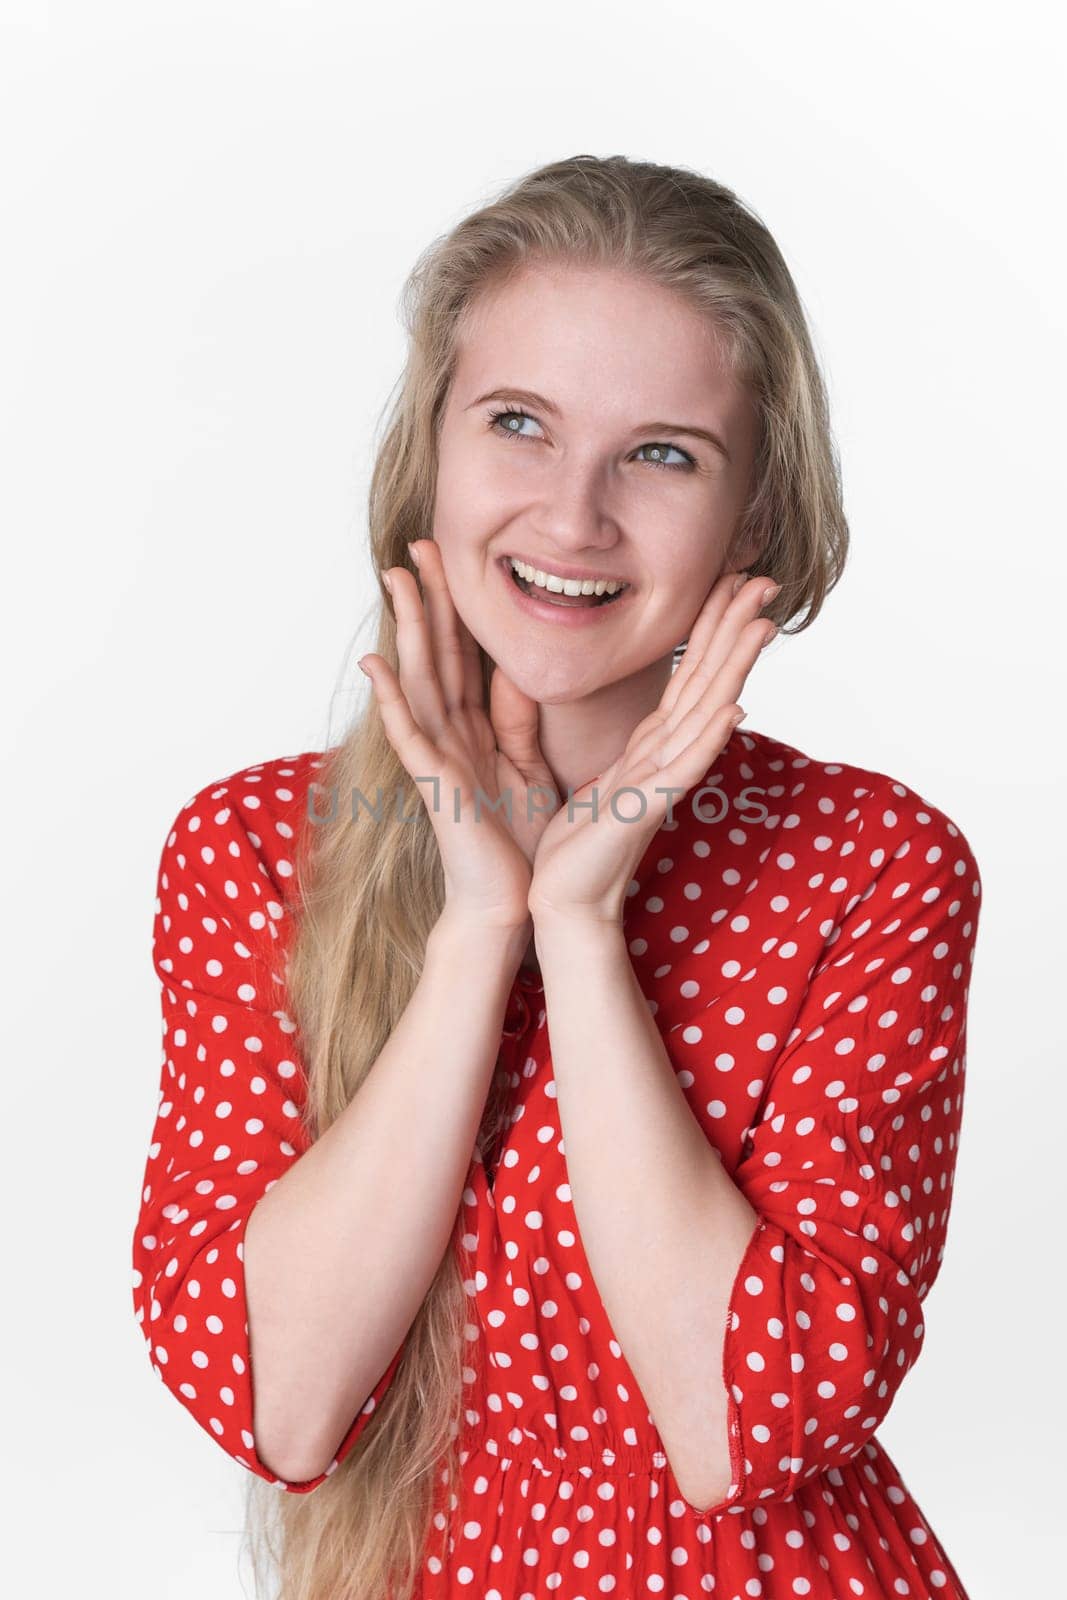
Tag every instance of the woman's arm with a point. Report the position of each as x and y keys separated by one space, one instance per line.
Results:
x=340 y=1252
x=800 y=1329
x=346 y=1231
x=663 y=1226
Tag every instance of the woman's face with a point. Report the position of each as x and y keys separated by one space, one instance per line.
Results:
x=610 y=474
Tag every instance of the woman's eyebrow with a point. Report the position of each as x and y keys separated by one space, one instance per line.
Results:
x=530 y=398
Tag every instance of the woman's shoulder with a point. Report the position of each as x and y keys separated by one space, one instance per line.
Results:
x=272 y=790
x=826 y=801
x=233 y=841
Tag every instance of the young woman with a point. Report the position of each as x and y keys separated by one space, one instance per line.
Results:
x=562 y=1085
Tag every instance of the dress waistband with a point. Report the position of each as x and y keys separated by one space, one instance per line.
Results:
x=578 y=1457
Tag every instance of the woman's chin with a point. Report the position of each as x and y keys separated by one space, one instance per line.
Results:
x=542 y=676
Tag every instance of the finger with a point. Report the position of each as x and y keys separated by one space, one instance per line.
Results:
x=739 y=627
x=515 y=719
x=418 y=674
x=721 y=690
x=644 y=739
x=711 y=647
x=629 y=814
x=455 y=648
x=689 y=763
x=703 y=630
x=681 y=764
x=711 y=638
x=419 y=755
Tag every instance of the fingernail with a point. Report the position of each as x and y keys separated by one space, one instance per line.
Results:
x=738 y=716
x=413 y=553
x=739 y=583
x=361 y=667
x=769 y=594
x=387 y=580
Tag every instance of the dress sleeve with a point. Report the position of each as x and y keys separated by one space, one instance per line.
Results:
x=850 y=1167
x=227 y=1125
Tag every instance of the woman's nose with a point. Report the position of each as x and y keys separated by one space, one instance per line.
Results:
x=574 y=515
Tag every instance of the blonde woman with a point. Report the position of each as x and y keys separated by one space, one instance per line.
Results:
x=562 y=1084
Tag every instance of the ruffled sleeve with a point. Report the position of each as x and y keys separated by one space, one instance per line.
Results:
x=850 y=1167
x=227 y=1125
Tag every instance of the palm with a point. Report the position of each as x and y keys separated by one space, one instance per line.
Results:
x=489 y=758
x=512 y=764
x=634 y=767
x=585 y=868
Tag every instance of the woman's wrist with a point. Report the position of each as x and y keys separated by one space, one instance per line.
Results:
x=480 y=937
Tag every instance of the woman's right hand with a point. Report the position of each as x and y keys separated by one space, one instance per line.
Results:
x=436 y=720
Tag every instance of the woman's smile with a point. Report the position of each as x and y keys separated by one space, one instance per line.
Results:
x=562 y=609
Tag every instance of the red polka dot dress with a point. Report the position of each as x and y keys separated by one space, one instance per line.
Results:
x=804 y=934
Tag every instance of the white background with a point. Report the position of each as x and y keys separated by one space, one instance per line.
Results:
x=208 y=213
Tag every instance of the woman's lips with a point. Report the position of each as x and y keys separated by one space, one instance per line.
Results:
x=546 y=611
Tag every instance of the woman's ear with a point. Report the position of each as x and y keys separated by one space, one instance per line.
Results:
x=746 y=553
x=748 y=541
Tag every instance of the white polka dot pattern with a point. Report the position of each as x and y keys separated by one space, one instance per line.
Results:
x=806 y=947
x=850 y=1162
x=227 y=1124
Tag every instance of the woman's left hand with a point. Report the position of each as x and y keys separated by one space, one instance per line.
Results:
x=584 y=863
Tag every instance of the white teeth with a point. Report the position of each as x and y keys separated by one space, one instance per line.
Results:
x=571 y=586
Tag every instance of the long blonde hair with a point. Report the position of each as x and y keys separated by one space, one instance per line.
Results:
x=371 y=895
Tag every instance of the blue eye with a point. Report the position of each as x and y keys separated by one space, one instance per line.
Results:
x=687 y=458
x=498 y=424
x=509 y=433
